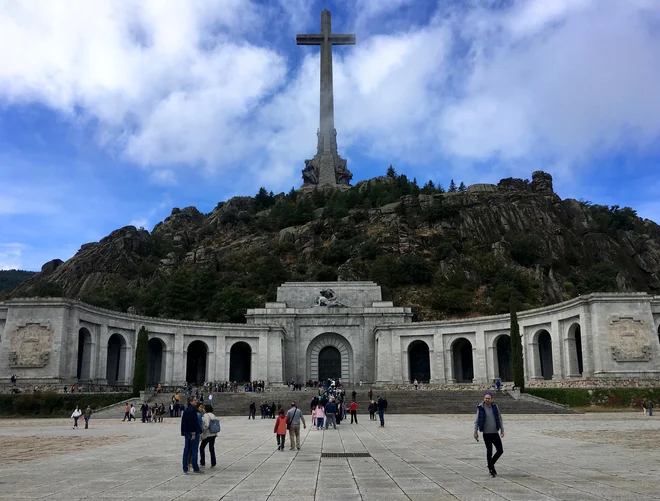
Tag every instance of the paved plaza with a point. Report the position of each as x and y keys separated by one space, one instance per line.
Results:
x=610 y=456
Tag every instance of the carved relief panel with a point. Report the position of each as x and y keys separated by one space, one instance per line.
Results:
x=630 y=340
x=30 y=346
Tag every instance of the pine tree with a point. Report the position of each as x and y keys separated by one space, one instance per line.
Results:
x=516 y=350
x=140 y=366
x=462 y=188
x=452 y=187
x=391 y=172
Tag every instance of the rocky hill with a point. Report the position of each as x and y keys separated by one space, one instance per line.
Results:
x=447 y=254
x=10 y=279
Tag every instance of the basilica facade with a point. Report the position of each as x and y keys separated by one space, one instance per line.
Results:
x=336 y=329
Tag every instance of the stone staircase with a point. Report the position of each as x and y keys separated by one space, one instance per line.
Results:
x=400 y=401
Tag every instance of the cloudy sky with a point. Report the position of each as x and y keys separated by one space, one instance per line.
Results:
x=113 y=112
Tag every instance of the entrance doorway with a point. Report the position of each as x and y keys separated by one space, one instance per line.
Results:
x=329 y=363
x=196 y=363
x=155 y=364
x=462 y=356
x=116 y=361
x=419 y=362
x=240 y=360
x=504 y=362
x=84 y=354
x=545 y=354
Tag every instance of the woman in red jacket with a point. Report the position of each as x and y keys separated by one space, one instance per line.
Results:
x=280 y=430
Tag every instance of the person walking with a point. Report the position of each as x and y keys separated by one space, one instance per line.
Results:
x=320 y=416
x=253 y=410
x=353 y=409
x=127 y=413
x=280 y=430
x=144 y=408
x=76 y=414
x=211 y=428
x=86 y=415
x=489 y=422
x=331 y=414
x=372 y=410
x=382 y=407
x=191 y=431
x=293 y=418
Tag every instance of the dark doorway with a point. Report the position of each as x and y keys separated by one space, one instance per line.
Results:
x=578 y=348
x=419 y=362
x=329 y=363
x=462 y=355
x=155 y=363
x=84 y=354
x=504 y=362
x=116 y=361
x=196 y=363
x=545 y=354
x=240 y=360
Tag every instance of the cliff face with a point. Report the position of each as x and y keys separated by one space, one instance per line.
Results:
x=445 y=254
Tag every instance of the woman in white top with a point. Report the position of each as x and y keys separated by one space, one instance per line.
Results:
x=76 y=414
x=208 y=437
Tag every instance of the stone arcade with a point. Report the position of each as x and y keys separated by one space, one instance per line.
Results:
x=355 y=335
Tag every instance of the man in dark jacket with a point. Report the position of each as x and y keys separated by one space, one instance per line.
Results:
x=330 y=414
x=489 y=422
x=382 y=407
x=191 y=431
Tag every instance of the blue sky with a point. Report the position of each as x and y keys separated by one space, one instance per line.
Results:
x=112 y=113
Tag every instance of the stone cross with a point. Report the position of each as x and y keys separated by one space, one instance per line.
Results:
x=326 y=39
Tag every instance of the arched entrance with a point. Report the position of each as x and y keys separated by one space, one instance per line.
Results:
x=116 y=361
x=545 y=354
x=329 y=363
x=240 y=361
x=504 y=362
x=419 y=362
x=155 y=362
x=196 y=362
x=574 y=341
x=329 y=358
x=462 y=358
x=84 y=354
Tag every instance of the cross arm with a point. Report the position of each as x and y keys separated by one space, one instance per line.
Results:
x=342 y=39
x=309 y=39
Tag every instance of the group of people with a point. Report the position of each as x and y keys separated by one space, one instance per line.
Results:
x=199 y=427
x=86 y=415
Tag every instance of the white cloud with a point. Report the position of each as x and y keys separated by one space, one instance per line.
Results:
x=189 y=84
x=10 y=256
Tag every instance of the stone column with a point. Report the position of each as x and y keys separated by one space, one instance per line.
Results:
x=431 y=366
x=125 y=365
x=534 y=361
x=102 y=367
x=493 y=365
x=588 y=343
x=449 y=366
x=179 y=360
x=396 y=362
x=221 y=366
x=480 y=363
x=438 y=360
x=557 y=351
x=168 y=370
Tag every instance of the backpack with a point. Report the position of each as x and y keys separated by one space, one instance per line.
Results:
x=214 y=426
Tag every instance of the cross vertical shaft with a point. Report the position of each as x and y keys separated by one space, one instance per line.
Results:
x=327 y=103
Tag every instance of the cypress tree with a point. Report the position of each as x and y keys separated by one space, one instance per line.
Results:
x=516 y=350
x=140 y=366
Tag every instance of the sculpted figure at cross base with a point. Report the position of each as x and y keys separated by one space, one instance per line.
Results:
x=310 y=173
x=328 y=298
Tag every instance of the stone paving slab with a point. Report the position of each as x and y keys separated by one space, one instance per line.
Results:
x=415 y=457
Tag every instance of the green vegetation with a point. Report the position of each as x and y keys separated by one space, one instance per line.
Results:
x=140 y=366
x=55 y=405
x=517 y=359
x=10 y=279
x=633 y=398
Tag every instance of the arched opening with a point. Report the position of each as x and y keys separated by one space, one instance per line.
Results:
x=240 y=360
x=574 y=345
x=116 y=363
x=196 y=362
x=329 y=363
x=504 y=363
x=545 y=354
x=419 y=362
x=84 y=354
x=462 y=357
x=659 y=333
x=155 y=362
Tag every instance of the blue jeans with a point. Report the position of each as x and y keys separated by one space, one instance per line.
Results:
x=381 y=415
x=191 y=447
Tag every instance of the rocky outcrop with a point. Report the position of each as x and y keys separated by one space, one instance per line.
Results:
x=563 y=239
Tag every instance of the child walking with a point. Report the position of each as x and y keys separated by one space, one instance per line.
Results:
x=314 y=419
x=280 y=430
x=320 y=416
